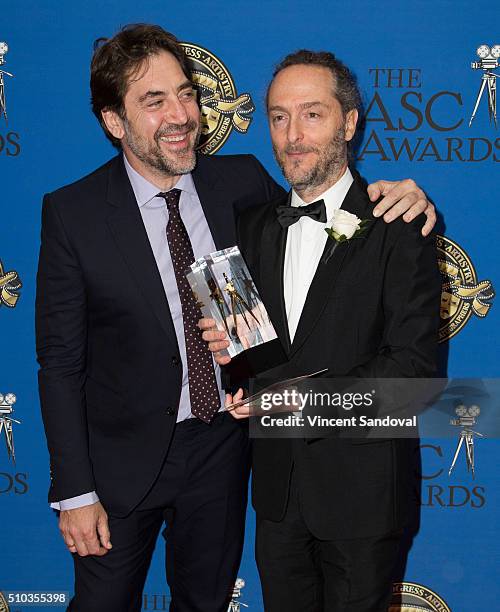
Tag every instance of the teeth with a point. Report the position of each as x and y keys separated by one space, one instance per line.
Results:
x=172 y=138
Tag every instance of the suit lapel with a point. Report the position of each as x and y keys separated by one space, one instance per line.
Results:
x=330 y=265
x=125 y=223
x=272 y=258
x=215 y=202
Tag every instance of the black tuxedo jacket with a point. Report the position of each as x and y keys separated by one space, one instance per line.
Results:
x=372 y=311
x=110 y=369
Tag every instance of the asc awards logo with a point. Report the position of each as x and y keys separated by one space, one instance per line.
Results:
x=408 y=121
x=411 y=597
x=462 y=293
x=222 y=109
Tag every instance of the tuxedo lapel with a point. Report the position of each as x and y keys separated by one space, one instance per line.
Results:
x=330 y=265
x=272 y=258
x=127 y=227
x=216 y=202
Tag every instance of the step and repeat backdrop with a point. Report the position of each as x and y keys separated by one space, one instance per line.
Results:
x=428 y=73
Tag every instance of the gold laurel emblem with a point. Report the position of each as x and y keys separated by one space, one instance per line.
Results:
x=9 y=284
x=222 y=109
x=412 y=597
x=4 y=607
x=462 y=294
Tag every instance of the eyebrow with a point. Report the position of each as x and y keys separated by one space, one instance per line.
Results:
x=187 y=84
x=306 y=105
x=151 y=94
x=303 y=106
x=154 y=93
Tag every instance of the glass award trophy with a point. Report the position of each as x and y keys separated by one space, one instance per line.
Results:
x=225 y=292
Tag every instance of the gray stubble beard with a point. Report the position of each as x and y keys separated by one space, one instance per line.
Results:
x=328 y=166
x=154 y=157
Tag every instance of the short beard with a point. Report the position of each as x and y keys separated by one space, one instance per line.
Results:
x=331 y=160
x=153 y=156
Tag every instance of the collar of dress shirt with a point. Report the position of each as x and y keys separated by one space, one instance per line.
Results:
x=145 y=192
x=332 y=197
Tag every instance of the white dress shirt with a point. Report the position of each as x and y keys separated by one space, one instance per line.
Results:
x=305 y=243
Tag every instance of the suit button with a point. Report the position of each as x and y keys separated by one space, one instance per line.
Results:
x=170 y=411
x=175 y=360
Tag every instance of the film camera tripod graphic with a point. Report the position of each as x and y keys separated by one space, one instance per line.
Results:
x=466 y=420
x=3 y=52
x=234 y=605
x=488 y=60
x=6 y=409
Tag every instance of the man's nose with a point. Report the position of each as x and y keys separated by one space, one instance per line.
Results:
x=294 y=132
x=176 y=112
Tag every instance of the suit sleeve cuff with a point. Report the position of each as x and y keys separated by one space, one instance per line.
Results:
x=86 y=499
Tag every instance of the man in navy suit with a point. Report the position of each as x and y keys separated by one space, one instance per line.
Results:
x=132 y=403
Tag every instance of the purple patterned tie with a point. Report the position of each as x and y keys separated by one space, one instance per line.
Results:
x=203 y=391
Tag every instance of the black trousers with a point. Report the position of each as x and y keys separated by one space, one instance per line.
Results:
x=201 y=494
x=301 y=573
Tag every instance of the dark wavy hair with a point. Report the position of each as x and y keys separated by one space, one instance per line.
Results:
x=116 y=60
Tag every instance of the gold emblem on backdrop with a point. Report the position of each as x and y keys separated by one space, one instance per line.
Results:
x=222 y=109
x=412 y=597
x=3 y=604
x=9 y=285
x=462 y=293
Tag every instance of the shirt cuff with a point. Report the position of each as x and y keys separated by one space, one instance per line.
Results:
x=86 y=499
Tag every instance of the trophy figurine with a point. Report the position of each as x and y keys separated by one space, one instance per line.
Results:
x=250 y=292
x=238 y=304
x=199 y=303
x=6 y=421
x=466 y=420
x=226 y=293
x=216 y=296
x=235 y=606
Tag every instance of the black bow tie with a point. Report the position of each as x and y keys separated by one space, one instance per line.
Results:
x=288 y=215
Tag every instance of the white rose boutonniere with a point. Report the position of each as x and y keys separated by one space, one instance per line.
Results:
x=346 y=226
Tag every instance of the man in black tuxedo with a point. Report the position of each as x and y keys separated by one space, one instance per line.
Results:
x=131 y=399
x=331 y=511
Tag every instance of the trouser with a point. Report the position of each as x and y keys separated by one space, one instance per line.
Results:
x=301 y=573
x=201 y=494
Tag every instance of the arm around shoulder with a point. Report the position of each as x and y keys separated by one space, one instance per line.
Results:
x=411 y=299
